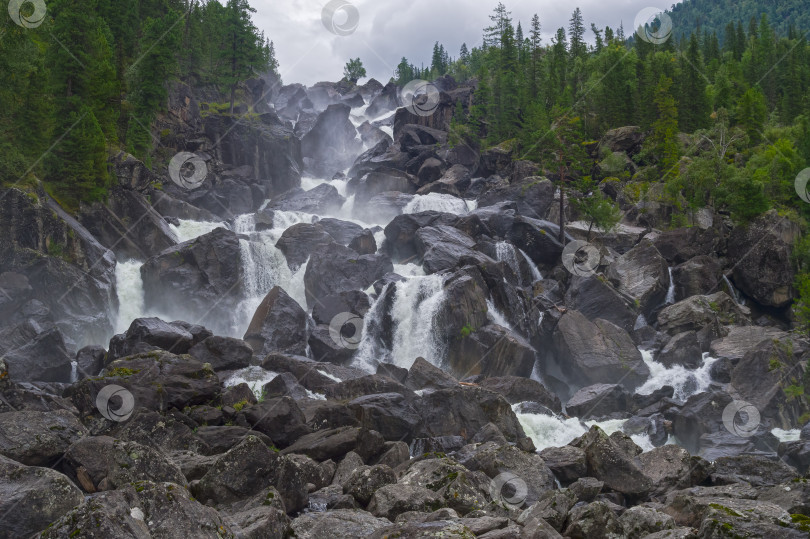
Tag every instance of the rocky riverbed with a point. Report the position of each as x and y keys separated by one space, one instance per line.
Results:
x=349 y=326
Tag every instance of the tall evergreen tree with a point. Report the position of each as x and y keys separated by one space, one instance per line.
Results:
x=245 y=53
x=693 y=104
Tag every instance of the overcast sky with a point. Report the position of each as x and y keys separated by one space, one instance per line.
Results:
x=387 y=30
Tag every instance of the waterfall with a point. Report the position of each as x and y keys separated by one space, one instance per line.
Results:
x=732 y=291
x=556 y=431
x=415 y=304
x=536 y=275
x=496 y=317
x=505 y=252
x=263 y=267
x=671 y=290
x=437 y=202
x=641 y=321
x=685 y=381
x=129 y=285
x=188 y=230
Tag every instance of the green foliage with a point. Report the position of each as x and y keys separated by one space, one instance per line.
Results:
x=354 y=70
x=599 y=211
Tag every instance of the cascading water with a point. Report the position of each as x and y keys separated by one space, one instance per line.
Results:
x=439 y=202
x=505 y=252
x=130 y=293
x=188 y=230
x=685 y=381
x=671 y=290
x=536 y=275
x=415 y=305
x=496 y=317
x=732 y=291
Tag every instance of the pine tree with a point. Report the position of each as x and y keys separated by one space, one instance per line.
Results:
x=576 y=35
x=751 y=114
x=354 y=70
x=534 y=54
x=500 y=20
x=693 y=104
x=244 y=53
x=664 y=142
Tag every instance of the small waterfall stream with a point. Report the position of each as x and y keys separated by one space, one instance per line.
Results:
x=670 y=299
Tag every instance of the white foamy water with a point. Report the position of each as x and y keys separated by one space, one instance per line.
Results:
x=686 y=382
x=497 y=317
x=536 y=275
x=556 y=431
x=671 y=290
x=189 y=230
x=505 y=252
x=786 y=435
x=409 y=270
x=308 y=182
x=129 y=286
x=415 y=305
x=255 y=377
x=438 y=202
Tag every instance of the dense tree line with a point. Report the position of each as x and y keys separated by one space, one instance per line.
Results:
x=92 y=78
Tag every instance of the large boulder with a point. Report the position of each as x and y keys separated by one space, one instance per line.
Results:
x=33 y=350
x=223 y=353
x=102 y=463
x=697 y=276
x=641 y=274
x=31 y=498
x=38 y=438
x=600 y=352
x=682 y=244
x=146 y=334
x=384 y=180
x=596 y=298
x=623 y=139
x=156 y=380
x=517 y=389
x=492 y=350
x=331 y=144
x=443 y=248
x=268 y=147
x=697 y=312
x=278 y=325
x=769 y=376
x=40 y=240
x=598 y=400
x=400 y=233
x=299 y=241
x=340 y=269
x=761 y=258
x=614 y=460
x=279 y=418
x=128 y=225
x=533 y=195
x=320 y=200
x=200 y=277
x=463 y=411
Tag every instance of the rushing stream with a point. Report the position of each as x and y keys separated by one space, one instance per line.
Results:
x=413 y=309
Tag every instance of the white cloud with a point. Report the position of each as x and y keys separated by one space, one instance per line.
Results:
x=390 y=29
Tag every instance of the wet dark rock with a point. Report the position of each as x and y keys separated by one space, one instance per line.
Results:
x=38 y=438
x=696 y=312
x=598 y=400
x=682 y=349
x=390 y=414
x=147 y=334
x=424 y=375
x=609 y=461
x=279 y=418
x=243 y=471
x=596 y=353
x=335 y=443
x=223 y=353
x=697 y=276
x=102 y=463
x=533 y=195
x=566 y=462
x=517 y=389
x=90 y=360
x=595 y=298
x=320 y=200
x=492 y=351
x=202 y=275
x=340 y=269
x=683 y=244
x=337 y=523
x=765 y=246
x=278 y=325
x=641 y=274
x=464 y=411
x=299 y=241
x=331 y=143
x=391 y=501
x=31 y=498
